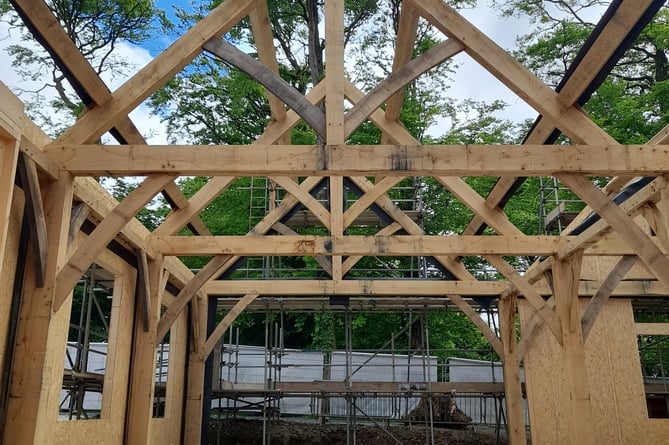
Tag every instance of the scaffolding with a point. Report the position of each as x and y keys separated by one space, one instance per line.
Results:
x=394 y=385
x=558 y=206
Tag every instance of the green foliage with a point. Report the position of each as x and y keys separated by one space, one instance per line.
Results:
x=96 y=27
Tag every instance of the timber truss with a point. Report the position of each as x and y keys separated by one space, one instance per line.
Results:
x=62 y=198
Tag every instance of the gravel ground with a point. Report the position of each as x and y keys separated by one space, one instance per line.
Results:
x=247 y=432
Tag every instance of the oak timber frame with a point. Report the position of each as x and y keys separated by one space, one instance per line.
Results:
x=54 y=175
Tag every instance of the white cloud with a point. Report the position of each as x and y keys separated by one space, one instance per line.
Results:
x=150 y=126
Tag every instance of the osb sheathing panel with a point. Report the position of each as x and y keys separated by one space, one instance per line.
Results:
x=167 y=430
x=614 y=376
x=8 y=269
x=110 y=428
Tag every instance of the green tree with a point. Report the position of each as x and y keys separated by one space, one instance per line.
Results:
x=96 y=27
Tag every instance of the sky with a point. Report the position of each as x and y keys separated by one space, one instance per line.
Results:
x=470 y=81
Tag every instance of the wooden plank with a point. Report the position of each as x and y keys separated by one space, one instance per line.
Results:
x=398 y=80
x=94 y=122
x=226 y=322
x=174 y=196
x=513 y=390
x=288 y=94
x=572 y=121
x=355 y=287
x=8 y=160
x=84 y=256
x=647 y=251
x=35 y=213
x=566 y=275
x=598 y=301
x=11 y=114
x=397 y=245
x=364 y=160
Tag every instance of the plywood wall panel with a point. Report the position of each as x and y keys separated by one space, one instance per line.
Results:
x=614 y=377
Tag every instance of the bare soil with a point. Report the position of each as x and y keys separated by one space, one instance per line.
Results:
x=250 y=432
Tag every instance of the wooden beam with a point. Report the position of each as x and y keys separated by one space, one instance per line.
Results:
x=97 y=120
x=219 y=263
x=576 y=399
x=494 y=217
x=9 y=154
x=352 y=260
x=264 y=41
x=304 y=197
x=322 y=260
x=225 y=323
x=397 y=245
x=279 y=131
x=142 y=374
x=355 y=287
x=337 y=204
x=311 y=114
x=398 y=80
x=513 y=390
x=90 y=87
x=210 y=270
x=530 y=293
x=362 y=160
x=393 y=131
x=187 y=213
x=407 y=29
x=572 y=120
x=78 y=216
x=144 y=289
x=35 y=212
x=648 y=252
x=418 y=287
x=381 y=187
x=192 y=422
x=476 y=319
x=334 y=71
x=85 y=254
x=598 y=301
x=26 y=407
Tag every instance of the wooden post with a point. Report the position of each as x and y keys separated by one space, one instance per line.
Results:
x=9 y=152
x=196 y=376
x=25 y=407
x=513 y=391
x=142 y=374
x=566 y=275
